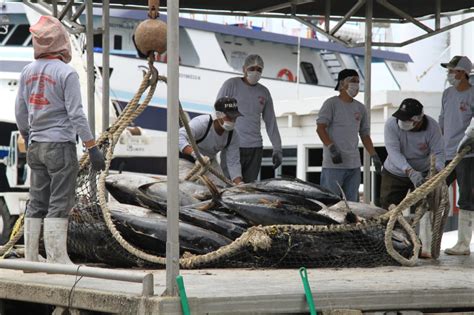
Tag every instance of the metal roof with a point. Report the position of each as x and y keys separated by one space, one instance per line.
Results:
x=415 y=8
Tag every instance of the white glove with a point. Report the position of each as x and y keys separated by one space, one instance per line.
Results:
x=468 y=140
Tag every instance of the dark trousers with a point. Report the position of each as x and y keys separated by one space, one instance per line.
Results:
x=251 y=161
x=393 y=189
x=464 y=174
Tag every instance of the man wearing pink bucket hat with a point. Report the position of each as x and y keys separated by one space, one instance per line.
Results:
x=49 y=114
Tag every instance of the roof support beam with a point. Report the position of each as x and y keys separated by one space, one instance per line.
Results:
x=438 y=15
x=327 y=15
x=319 y=30
x=404 y=15
x=421 y=37
x=65 y=9
x=348 y=15
x=279 y=6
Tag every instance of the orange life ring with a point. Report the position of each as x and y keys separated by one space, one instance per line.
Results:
x=285 y=74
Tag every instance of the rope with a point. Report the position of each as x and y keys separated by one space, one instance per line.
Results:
x=16 y=234
x=395 y=214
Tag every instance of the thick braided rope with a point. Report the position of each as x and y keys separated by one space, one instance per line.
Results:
x=17 y=233
x=395 y=214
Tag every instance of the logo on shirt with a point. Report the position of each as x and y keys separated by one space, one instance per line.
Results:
x=357 y=116
x=464 y=106
x=38 y=99
x=423 y=147
x=262 y=100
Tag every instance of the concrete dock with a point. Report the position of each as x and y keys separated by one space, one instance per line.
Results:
x=445 y=284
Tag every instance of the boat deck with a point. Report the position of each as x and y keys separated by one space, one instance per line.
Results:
x=444 y=284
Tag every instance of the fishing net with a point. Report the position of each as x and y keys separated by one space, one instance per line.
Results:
x=97 y=235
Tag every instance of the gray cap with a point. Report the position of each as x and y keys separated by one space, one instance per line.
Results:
x=253 y=60
x=459 y=63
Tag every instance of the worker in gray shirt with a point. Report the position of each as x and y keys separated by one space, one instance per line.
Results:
x=49 y=113
x=213 y=134
x=255 y=103
x=457 y=112
x=340 y=121
x=411 y=137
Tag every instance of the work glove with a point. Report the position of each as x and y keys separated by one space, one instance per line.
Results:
x=468 y=140
x=277 y=158
x=205 y=158
x=335 y=154
x=416 y=177
x=377 y=163
x=97 y=159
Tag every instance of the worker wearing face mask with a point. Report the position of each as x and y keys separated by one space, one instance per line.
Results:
x=213 y=134
x=340 y=121
x=411 y=137
x=456 y=121
x=255 y=103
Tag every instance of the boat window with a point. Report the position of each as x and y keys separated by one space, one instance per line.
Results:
x=308 y=72
x=117 y=42
x=4 y=31
x=19 y=36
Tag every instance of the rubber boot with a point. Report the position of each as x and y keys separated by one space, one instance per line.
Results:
x=55 y=240
x=426 y=235
x=462 y=247
x=32 y=235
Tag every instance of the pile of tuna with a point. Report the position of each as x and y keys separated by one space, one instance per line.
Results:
x=210 y=221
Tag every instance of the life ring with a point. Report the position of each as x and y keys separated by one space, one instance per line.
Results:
x=285 y=74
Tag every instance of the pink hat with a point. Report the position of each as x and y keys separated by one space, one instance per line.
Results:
x=50 y=39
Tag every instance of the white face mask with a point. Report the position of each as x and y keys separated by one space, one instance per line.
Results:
x=352 y=89
x=406 y=125
x=452 y=79
x=228 y=125
x=253 y=77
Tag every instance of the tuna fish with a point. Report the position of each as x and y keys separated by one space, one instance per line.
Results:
x=293 y=187
x=269 y=209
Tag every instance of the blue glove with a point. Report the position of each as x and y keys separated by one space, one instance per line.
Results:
x=468 y=140
x=335 y=154
x=416 y=178
x=377 y=163
x=97 y=159
x=277 y=158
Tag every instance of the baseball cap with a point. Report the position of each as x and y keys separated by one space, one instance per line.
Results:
x=345 y=74
x=459 y=63
x=408 y=108
x=228 y=106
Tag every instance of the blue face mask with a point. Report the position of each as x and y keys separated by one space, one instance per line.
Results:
x=228 y=125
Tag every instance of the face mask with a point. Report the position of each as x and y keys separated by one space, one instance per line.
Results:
x=253 y=76
x=228 y=125
x=352 y=89
x=406 y=125
x=452 y=79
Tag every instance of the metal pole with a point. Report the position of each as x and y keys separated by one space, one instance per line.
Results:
x=105 y=64
x=120 y=275
x=438 y=15
x=327 y=16
x=172 y=239
x=367 y=91
x=90 y=66
x=298 y=72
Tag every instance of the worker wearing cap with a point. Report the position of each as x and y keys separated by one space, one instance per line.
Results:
x=255 y=103
x=213 y=134
x=456 y=121
x=411 y=137
x=340 y=121
x=49 y=114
